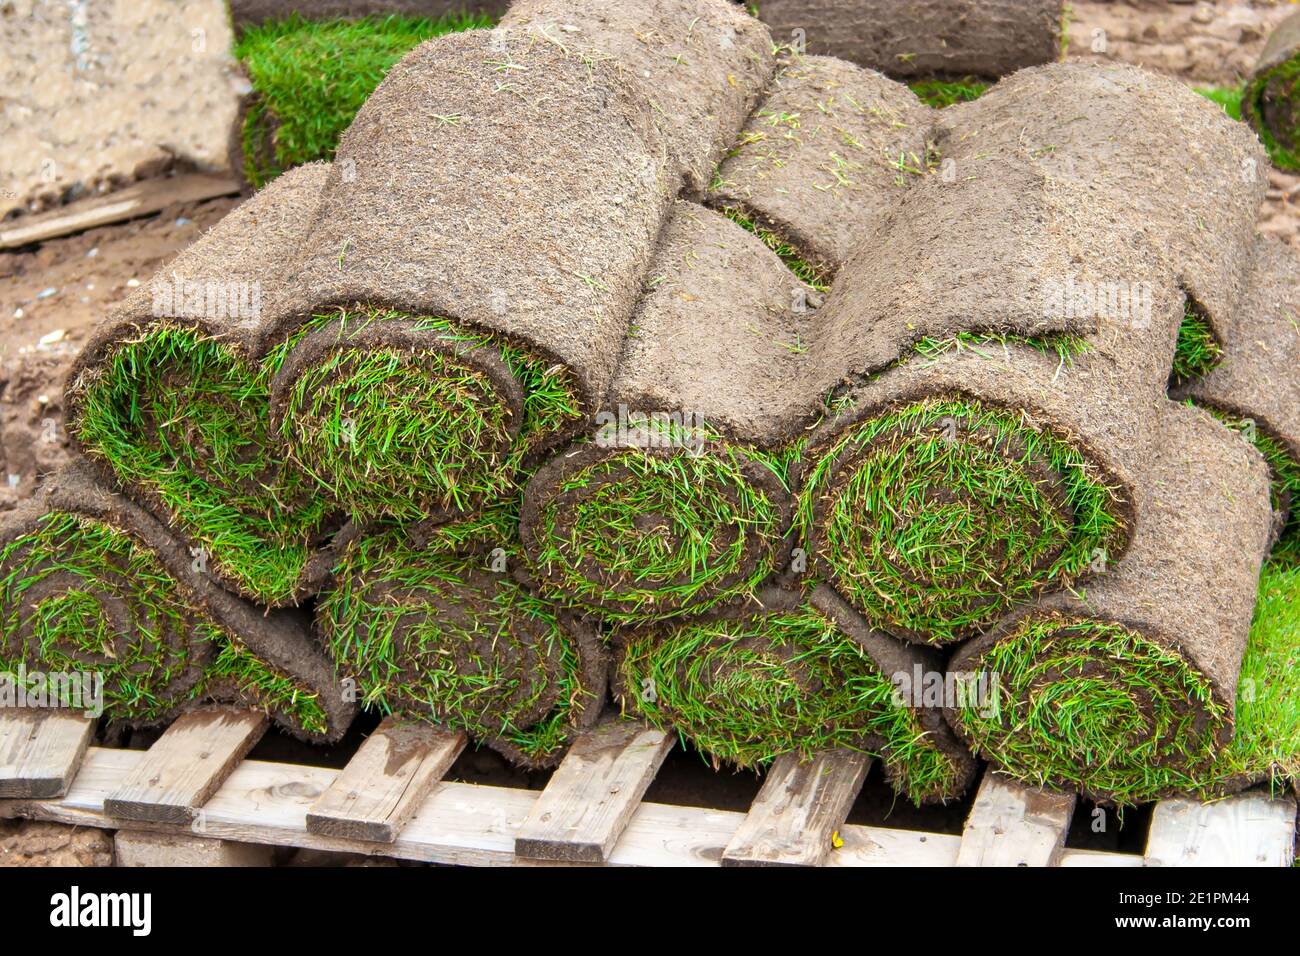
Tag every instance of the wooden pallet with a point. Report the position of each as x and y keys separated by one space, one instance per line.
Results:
x=391 y=801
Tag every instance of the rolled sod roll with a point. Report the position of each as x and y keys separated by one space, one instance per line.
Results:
x=981 y=453
x=170 y=400
x=1271 y=100
x=679 y=501
x=1253 y=381
x=923 y=38
x=1126 y=690
x=90 y=583
x=464 y=292
x=791 y=674
x=439 y=629
x=830 y=147
x=704 y=63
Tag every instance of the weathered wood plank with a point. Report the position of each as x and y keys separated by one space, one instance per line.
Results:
x=143 y=199
x=593 y=793
x=186 y=765
x=386 y=781
x=459 y=823
x=40 y=750
x=1011 y=825
x=1249 y=829
x=798 y=810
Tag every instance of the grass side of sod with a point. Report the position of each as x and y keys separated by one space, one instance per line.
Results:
x=656 y=537
x=186 y=418
x=100 y=574
x=311 y=76
x=422 y=640
x=1094 y=705
x=941 y=523
x=745 y=691
x=388 y=432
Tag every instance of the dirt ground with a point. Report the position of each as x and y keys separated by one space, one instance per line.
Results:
x=1204 y=42
x=51 y=295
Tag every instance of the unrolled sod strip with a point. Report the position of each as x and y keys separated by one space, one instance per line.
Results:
x=494 y=213
x=923 y=38
x=90 y=582
x=169 y=399
x=793 y=674
x=679 y=501
x=1126 y=690
x=704 y=63
x=1255 y=386
x=1271 y=101
x=829 y=147
x=438 y=629
x=983 y=450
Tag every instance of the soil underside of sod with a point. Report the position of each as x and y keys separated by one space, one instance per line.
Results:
x=749 y=689
x=81 y=595
x=310 y=78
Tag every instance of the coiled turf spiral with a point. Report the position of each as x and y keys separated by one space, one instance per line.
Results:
x=441 y=638
x=77 y=595
x=934 y=518
x=652 y=533
x=411 y=417
x=747 y=689
x=1092 y=705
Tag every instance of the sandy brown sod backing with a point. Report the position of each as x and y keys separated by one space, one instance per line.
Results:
x=830 y=146
x=1048 y=184
x=717 y=339
x=1188 y=581
x=703 y=63
x=280 y=639
x=1273 y=107
x=502 y=183
x=1258 y=376
x=923 y=37
x=721 y=332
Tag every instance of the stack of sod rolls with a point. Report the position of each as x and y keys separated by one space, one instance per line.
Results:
x=999 y=466
x=612 y=352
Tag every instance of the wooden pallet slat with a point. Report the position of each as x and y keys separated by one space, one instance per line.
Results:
x=40 y=750
x=465 y=824
x=593 y=793
x=1012 y=825
x=186 y=765
x=386 y=781
x=1249 y=829
x=798 y=810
